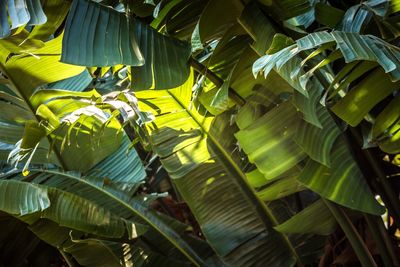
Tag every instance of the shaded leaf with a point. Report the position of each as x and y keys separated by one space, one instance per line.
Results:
x=163 y=59
x=316 y=218
x=338 y=182
x=360 y=100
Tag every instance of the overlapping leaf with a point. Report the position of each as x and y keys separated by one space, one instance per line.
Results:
x=211 y=182
x=273 y=150
x=160 y=61
x=18 y=13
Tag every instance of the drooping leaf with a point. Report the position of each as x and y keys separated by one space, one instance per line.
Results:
x=42 y=67
x=15 y=13
x=56 y=11
x=31 y=202
x=328 y=15
x=22 y=198
x=209 y=180
x=316 y=218
x=358 y=16
x=272 y=147
x=100 y=190
x=353 y=46
x=284 y=186
x=258 y=27
x=286 y=9
x=36 y=13
x=318 y=142
x=216 y=17
x=385 y=130
x=338 y=182
x=360 y=100
x=160 y=61
x=76 y=83
x=107 y=45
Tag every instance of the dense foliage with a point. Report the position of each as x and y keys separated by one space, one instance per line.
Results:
x=201 y=132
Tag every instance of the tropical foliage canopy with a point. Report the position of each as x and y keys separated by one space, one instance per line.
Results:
x=199 y=133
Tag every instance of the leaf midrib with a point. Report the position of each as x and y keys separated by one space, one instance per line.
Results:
x=33 y=111
x=264 y=212
x=195 y=259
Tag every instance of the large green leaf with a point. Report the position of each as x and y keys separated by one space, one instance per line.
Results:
x=160 y=61
x=93 y=252
x=105 y=46
x=275 y=153
x=217 y=17
x=101 y=190
x=358 y=16
x=385 y=130
x=258 y=27
x=31 y=202
x=98 y=252
x=272 y=147
x=361 y=99
x=56 y=11
x=316 y=218
x=286 y=9
x=353 y=46
x=318 y=142
x=362 y=52
x=72 y=211
x=234 y=221
x=42 y=66
x=22 y=198
x=109 y=187
x=338 y=182
x=20 y=12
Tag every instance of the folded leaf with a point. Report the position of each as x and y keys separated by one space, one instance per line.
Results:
x=210 y=181
x=339 y=182
x=20 y=198
x=360 y=100
x=315 y=218
x=160 y=61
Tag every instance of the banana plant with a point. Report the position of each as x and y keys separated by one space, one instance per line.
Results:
x=269 y=165
x=65 y=129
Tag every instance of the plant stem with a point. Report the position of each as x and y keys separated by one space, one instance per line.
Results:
x=382 y=240
x=392 y=202
x=263 y=210
x=352 y=235
x=196 y=65
x=68 y=259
